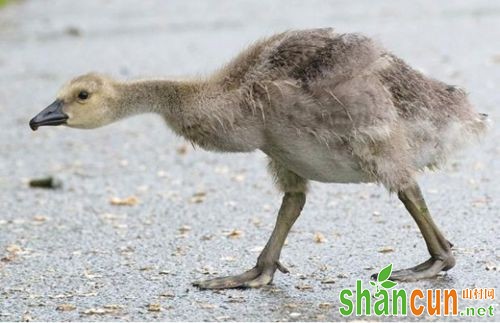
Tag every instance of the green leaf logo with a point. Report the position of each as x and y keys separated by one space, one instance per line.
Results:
x=388 y=284
x=385 y=273
x=383 y=279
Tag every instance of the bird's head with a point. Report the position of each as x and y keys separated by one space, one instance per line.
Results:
x=85 y=102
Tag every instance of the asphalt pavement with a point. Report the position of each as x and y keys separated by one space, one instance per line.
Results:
x=141 y=214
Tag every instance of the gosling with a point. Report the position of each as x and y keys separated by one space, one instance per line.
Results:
x=323 y=106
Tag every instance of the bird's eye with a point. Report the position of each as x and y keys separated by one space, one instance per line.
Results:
x=83 y=95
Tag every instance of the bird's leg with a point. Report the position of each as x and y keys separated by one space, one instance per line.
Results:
x=268 y=261
x=439 y=248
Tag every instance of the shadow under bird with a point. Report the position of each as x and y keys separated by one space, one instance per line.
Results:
x=323 y=106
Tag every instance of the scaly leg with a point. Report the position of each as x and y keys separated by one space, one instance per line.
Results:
x=439 y=248
x=268 y=261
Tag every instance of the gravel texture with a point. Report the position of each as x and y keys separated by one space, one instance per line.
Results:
x=73 y=254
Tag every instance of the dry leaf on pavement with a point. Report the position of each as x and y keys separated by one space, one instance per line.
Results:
x=128 y=201
x=235 y=234
x=66 y=307
x=319 y=237
x=386 y=249
x=154 y=307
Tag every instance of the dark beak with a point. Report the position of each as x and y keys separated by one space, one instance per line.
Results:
x=52 y=115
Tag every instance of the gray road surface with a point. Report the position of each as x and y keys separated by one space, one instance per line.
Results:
x=73 y=249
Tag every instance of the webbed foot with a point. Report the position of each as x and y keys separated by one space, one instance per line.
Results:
x=428 y=269
x=256 y=277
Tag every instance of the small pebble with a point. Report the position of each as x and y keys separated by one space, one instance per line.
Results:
x=73 y=31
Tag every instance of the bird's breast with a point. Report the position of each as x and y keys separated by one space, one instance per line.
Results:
x=313 y=159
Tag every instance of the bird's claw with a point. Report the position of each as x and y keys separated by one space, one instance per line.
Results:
x=256 y=277
x=428 y=269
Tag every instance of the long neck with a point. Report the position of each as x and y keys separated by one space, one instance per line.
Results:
x=167 y=98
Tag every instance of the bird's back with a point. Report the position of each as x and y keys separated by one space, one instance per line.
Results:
x=347 y=88
x=302 y=56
